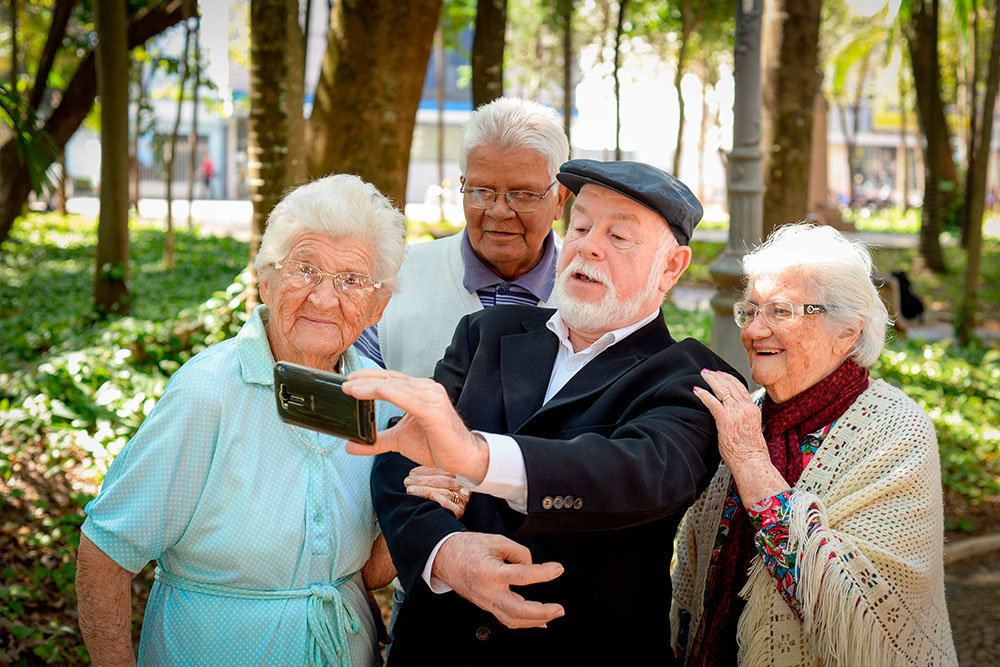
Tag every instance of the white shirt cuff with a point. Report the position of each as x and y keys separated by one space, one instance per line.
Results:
x=505 y=477
x=433 y=583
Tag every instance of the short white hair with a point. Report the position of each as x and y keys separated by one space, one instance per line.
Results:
x=510 y=123
x=344 y=207
x=842 y=272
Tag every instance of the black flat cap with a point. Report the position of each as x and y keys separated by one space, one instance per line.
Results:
x=653 y=188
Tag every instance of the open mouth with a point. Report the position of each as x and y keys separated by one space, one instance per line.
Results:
x=585 y=278
x=767 y=353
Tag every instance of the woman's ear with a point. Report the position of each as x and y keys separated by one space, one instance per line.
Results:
x=845 y=340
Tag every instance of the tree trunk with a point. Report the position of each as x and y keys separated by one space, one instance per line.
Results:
x=922 y=38
x=57 y=30
x=487 y=51
x=111 y=277
x=168 y=250
x=619 y=29
x=439 y=74
x=850 y=153
x=193 y=134
x=978 y=165
x=903 y=135
x=297 y=171
x=687 y=27
x=790 y=50
x=271 y=78
x=75 y=103
x=61 y=191
x=15 y=56
x=369 y=133
x=566 y=16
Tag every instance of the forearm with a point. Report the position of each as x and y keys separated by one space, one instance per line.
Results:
x=104 y=604
x=756 y=479
x=379 y=570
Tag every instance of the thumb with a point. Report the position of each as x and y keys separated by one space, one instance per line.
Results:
x=523 y=575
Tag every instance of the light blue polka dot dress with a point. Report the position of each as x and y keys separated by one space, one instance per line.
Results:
x=258 y=527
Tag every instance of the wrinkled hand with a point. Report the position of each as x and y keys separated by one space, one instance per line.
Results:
x=741 y=442
x=431 y=433
x=482 y=567
x=737 y=418
x=440 y=486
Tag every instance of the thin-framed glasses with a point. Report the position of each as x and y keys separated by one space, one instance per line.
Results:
x=776 y=313
x=349 y=283
x=518 y=200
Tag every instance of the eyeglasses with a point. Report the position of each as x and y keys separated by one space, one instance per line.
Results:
x=354 y=285
x=518 y=200
x=776 y=313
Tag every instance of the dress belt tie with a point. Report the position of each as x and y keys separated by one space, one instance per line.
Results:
x=329 y=617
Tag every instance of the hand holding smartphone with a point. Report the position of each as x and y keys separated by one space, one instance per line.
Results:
x=314 y=399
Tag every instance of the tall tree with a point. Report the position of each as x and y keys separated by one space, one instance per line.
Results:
x=690 y=18
x=619 y=33
x=487 y=51
x=790 y=47
x=193 y=134
x=366 y=99
x=273 y=75
x=922 y=38
x=71 y=108
x=171 y=158
x=565 y=16
x=979 y=150
x=111 y=277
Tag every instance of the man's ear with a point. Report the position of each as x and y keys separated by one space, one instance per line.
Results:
x=562 y=195
x=678 y=260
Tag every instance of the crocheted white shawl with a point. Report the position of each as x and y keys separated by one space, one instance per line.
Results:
x=872 y=578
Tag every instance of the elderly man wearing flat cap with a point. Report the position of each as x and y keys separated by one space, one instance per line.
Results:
x=580 y=436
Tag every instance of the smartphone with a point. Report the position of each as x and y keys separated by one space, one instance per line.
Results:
x=314 y=399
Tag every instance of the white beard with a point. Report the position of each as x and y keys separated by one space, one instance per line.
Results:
x=609 y=313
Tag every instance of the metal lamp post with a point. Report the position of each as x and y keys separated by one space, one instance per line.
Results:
x=745 y=184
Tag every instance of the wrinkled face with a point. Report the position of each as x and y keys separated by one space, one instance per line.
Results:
x=617 y=261
x=314 y=325
x=789 y=359
x=508 y=241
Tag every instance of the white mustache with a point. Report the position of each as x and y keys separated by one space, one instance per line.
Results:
x=590 y=271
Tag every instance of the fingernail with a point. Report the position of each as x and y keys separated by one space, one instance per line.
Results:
x=697 y=389
x=705 y=370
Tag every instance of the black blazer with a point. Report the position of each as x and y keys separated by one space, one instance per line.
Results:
x=613 y=460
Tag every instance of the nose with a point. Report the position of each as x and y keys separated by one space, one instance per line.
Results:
x=500 y=209
x=326 y=294
x=590 y=247
x=757 y=328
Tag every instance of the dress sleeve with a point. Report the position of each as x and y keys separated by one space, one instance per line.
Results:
x=770 y=518
x=153 y=486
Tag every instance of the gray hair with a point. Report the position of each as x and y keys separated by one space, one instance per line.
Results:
x=341 y=206
x=510 y=123
x=841 y=270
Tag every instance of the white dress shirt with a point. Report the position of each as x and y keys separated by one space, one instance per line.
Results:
x=506 y=476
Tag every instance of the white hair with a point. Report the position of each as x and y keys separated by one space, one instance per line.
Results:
x=841 y=270
x=341 y=206
x=510 y=123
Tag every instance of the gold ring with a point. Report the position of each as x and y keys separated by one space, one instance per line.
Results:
x=725 y=397
x=454 y=497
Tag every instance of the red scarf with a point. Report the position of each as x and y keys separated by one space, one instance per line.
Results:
x=785 y=427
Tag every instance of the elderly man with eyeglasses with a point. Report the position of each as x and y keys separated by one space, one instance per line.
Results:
x=511 y=150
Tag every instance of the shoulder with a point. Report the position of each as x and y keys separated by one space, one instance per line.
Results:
x=205 y=372
x=421 y=252
x=888 y=408
x=690 y=357
x=508 y=318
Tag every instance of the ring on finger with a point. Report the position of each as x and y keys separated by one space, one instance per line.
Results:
x=724 y=398
x=454 y=497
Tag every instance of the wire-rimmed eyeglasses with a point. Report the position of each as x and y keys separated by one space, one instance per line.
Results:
x=518 y=200
x=776 y=313
x=349 y=283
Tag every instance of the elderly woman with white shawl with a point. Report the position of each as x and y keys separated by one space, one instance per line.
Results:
x=819 y=540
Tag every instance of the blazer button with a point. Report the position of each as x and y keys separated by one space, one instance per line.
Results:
x=482 y=633
x=578 y=503
x=557 y=502
x=568 y=502
x=547 y=503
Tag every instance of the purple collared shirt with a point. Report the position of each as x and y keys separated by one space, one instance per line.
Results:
x=492 y=290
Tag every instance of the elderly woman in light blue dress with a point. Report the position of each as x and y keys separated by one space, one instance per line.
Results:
x=264 y=533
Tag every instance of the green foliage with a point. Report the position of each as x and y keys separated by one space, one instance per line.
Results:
x=73 y=390
x=35 y=147
x=960 y=390
x=891 y=219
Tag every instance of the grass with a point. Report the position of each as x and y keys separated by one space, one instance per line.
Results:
x=73 y=389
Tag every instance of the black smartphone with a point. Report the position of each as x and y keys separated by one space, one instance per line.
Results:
x=314 y=399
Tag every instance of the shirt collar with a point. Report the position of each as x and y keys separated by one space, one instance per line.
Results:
x=557 y=325
x=254 y=352
x=538 y=281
